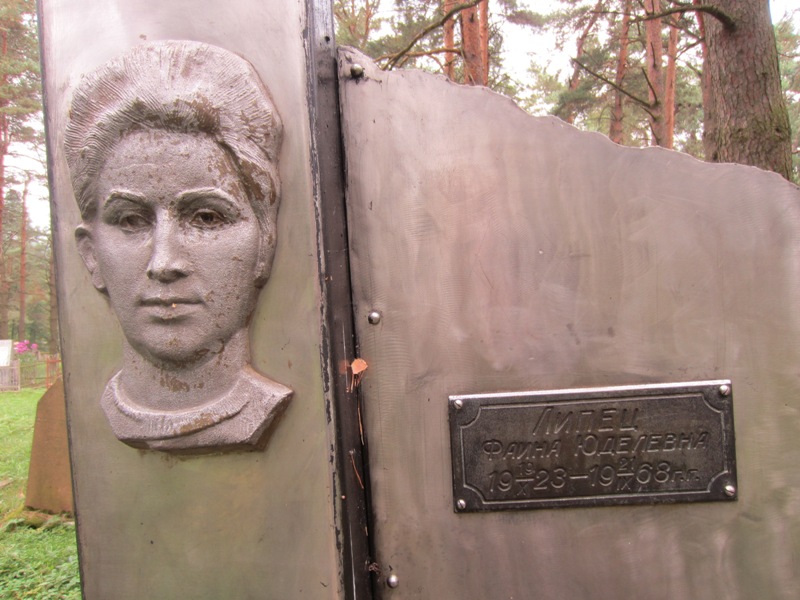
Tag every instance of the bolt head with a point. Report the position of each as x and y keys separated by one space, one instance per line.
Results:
x=357 y=71
x=461 y=504
x=724 y=390
x=459 y=404
x=392 y=581
x=374 y=317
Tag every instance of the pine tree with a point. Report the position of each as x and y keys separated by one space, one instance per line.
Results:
x=20 y=104
x=746 y=120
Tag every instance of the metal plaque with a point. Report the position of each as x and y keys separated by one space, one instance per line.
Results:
x=593 y=447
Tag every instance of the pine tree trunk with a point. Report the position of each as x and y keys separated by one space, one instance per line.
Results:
x=669 y=87
x=472 y=47
x=655 y=72
x=483 y=11
x=4 y=284
x=23 y=259
x=54 y=345
x=616 y=131
x=4 y=144
x=746 y=120
x=449 y=40
x=4 y=299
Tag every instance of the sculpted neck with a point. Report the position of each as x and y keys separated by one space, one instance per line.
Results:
x=170 y=387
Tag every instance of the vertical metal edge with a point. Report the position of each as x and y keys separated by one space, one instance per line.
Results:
x=729 y=427
x=456 y=458
x=350 y=479
x=40 y=23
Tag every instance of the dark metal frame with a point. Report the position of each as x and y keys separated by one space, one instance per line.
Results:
x=351 y=483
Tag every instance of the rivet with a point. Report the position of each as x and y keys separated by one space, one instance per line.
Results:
x=459 y=404
x=730 y=490
x=461 y=504
x=374 y=317
x=357 y=71
x=392 y=581
x=724 y=390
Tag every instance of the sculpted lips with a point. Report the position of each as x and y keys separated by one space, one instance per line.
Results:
x=165 y=308
x=168 y=301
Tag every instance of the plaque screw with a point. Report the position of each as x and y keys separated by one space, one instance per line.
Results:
x=357 y=71
x=459 y=404
x=730 y=490
x=461 y=504
x=392 y=581
x=374 y=317
x=724 y=390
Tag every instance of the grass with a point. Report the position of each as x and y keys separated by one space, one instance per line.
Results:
x=38 y=553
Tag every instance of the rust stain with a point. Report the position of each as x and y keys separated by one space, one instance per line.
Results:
x=173 y=384
x=201 y=422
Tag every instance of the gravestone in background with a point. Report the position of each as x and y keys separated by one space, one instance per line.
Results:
x=49 y=479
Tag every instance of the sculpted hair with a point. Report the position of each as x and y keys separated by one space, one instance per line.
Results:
x=182 y=87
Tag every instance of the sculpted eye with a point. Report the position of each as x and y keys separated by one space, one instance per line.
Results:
x=207 y=218
x=132 y=222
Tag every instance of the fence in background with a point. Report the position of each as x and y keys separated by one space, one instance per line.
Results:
x=38 y=373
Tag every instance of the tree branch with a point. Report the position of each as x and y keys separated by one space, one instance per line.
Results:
x=720 y=15
x=419 y=53
x=429 y=53
x=643 y=103
x=652 y=89
x=435 y=25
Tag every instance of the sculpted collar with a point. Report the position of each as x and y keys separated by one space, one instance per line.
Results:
x=238 y=417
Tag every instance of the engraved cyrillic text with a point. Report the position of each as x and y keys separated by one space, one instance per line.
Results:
x=526 y=452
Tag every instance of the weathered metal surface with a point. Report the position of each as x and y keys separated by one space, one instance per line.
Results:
x=505 y=252
x=593 y=447
x=243 y=525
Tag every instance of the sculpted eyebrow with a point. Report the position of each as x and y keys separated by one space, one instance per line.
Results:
x=123 y=195
x=205 y=193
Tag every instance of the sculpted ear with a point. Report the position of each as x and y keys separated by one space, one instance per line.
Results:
x=265 y=255
x=85 y=243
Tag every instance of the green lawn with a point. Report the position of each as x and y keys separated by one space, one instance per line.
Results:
x=38 y=554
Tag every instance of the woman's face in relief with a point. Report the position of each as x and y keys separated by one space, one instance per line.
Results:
x=175 y=244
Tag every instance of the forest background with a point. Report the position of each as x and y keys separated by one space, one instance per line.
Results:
x=643 y=72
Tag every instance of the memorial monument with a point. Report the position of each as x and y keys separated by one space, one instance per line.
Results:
x=553 y=333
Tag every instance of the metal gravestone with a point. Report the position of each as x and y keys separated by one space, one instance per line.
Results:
x=557 y=328
x=554 y=332
x=197 y=408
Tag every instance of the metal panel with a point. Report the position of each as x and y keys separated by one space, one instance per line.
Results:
x=503 y=252
x=151 y=525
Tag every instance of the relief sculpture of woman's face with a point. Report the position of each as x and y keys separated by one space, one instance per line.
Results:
x=173 y=152
x=175 y=245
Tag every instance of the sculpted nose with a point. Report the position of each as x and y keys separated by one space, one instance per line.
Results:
x=167 y=260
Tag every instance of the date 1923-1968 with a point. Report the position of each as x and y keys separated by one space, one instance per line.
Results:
x=526 y=479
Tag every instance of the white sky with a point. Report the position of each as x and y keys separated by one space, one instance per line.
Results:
x=521 y=47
